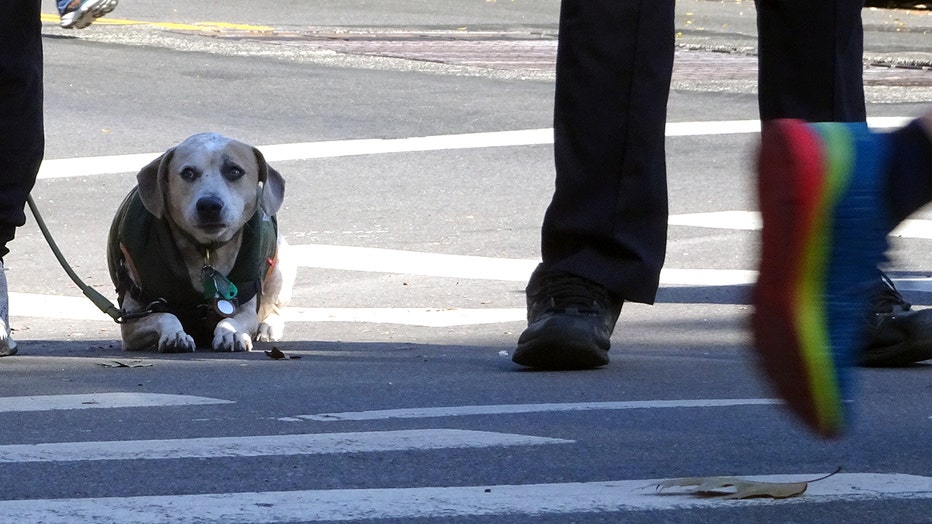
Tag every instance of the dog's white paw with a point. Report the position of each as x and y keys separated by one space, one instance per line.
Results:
x=176 y=342
x=271 y=329
x=231 y=341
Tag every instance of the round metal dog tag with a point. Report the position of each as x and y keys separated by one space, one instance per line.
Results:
x=224 y=307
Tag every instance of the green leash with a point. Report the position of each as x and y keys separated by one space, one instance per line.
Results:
x=99 y=300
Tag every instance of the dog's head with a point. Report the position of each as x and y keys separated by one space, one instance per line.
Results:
x=210 y=186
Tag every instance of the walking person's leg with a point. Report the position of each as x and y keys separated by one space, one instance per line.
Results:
x=21 y=129
x=811 y=68
x=604 y=233
x=829 y=194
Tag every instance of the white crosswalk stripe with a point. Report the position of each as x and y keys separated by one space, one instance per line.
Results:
x=440 y=502
x=101 y=401
x=266 y=445
x=444 y=265
x=504 y=409
x=432 y=502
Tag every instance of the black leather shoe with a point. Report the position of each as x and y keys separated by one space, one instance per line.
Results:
x=897 y=334
x=570 y=322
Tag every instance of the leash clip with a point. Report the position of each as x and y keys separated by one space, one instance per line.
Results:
x=156 y=306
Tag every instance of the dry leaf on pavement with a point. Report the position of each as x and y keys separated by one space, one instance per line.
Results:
x=738 y=488
x=735 y=488
x=125 y=364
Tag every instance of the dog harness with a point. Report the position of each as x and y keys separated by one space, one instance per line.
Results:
x=140 y=240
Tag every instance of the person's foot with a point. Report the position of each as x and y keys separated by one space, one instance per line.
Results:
x=824 y=233
x=570 y=322
x=82 y=13
x=897 y=334
x=7 y=344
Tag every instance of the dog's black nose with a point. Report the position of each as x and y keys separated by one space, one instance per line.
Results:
x=209 y=207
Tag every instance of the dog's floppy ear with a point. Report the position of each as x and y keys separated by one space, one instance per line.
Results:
x=149 y=181
x=273 y=186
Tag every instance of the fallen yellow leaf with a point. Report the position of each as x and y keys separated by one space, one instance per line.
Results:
x=738 y=488
x=735 y=488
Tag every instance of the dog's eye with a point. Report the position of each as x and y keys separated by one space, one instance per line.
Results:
x=233 y=172
x=189 y=173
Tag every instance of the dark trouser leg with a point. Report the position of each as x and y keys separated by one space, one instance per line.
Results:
x=608 y=217
x=811 y=68
x=910 y=171
x=21 y=129
x=811 y=60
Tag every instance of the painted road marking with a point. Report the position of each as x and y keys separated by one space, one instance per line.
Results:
x=506 y=409
x=174 y=26
x=111 y=164
x=379 y=260
x=750 y=221
x=102 y=401
x=267 y=445
x=80 y=308
x=445 y=502
x=423 y=317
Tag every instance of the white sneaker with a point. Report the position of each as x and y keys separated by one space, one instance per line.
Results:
x=7 y=344
x=86 y=12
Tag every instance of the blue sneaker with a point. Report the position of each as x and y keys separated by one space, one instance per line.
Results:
x=820 y=189
x=82 y=13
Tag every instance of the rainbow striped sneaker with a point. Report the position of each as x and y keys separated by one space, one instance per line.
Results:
x=824 y=233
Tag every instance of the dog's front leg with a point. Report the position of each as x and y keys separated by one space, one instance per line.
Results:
x=160 y=330
x=235 y=333
x=276 y=292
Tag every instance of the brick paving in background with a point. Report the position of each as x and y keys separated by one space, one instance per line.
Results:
x=523 y=52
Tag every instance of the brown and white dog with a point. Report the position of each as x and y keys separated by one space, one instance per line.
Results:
x=194 y=250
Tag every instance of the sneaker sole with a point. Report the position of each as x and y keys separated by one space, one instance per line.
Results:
x=89 y=12
x=7 y=347
x=822 y=238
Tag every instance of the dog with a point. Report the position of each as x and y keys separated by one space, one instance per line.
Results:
x=194 y=250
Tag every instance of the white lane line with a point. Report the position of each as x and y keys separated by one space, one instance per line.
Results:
x=506 y=409
x=102 y=401
x=267 y=445
x=750 y=221
x=80 y=308
x=734 y=220
x=380 y=260
x=423 y=317
x=54 y=306
x=445 y=502
x=111 y=164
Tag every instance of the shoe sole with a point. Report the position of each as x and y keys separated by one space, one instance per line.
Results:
x=7 y=347
x=822 y=238
x=561 y=345
x=87 y=13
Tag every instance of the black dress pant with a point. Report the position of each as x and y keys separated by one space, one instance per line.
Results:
x=608 y=217
x=811 y=67
x=22 y=139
